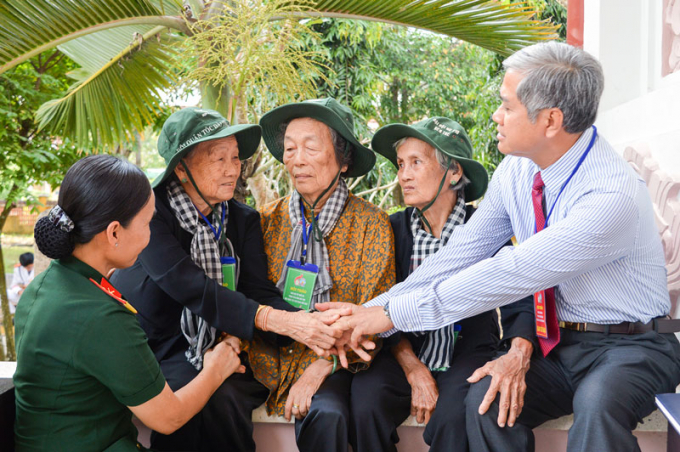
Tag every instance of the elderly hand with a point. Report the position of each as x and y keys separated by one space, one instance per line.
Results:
x=233 y=341
x=424 y=393
x=300 y=394
x=344 y=343
x=507 y=377
x=363 y=322
x=329 y=316
x=338 y=306
x=306 y=328
x=223 y=360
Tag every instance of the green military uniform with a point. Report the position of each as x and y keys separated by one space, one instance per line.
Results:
x=82 y=359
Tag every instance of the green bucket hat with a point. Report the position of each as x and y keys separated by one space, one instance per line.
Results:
x=189 y=126
x=330 y=112
x=444 y=134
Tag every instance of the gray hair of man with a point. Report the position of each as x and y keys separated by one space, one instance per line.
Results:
x=339 y=145
x=557 y=75
x=443 y=160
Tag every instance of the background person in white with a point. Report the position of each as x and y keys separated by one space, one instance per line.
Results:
x=23 y=274
x=600 y=249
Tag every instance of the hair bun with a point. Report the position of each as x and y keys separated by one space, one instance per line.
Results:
x=51 y=240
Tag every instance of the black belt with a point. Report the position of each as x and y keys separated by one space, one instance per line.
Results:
x=660 y=325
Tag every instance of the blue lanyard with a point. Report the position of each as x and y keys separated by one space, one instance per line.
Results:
x=578 y=165
x=305 y=232
x=217 y=233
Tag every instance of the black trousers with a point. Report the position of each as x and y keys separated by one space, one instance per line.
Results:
x=326 y=426
x=225 y=423
x=381 y=395
x=607 y=381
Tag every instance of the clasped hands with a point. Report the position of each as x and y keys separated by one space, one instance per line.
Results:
x=348 y=327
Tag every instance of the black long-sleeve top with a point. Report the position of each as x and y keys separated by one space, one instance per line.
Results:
x=165 y=280
x=517 y=319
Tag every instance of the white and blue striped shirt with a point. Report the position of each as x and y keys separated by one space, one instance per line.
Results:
x=601 y=248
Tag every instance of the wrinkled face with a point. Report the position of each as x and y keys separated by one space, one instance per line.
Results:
x=309 y=157
x=419 y=172
x=517 y=135
x=215 y=167
x=134 y=238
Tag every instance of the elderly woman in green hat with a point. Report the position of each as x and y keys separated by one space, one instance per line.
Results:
x=322 y=244
x=424 y=374
x=204 y=273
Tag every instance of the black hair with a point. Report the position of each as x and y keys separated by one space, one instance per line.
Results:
x=26 y=259
x=96 y=191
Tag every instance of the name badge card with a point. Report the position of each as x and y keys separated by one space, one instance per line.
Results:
x=228 y=272
x=539 y=314
x=299 y=286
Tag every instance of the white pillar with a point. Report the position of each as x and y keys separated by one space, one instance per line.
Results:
x=620 y=33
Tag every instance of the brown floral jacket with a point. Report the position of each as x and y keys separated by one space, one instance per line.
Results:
x=361 y=254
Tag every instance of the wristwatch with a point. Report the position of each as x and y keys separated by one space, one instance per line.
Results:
x=386 y=310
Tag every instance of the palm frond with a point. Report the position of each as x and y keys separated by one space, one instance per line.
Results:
x=502 y=28
x=29 y=27
x=110 y=101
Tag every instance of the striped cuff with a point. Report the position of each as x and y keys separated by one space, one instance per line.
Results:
x=380 y=300
x=404 y=312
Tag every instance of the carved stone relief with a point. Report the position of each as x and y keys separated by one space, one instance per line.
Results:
x=672 y=19
x=664 y=191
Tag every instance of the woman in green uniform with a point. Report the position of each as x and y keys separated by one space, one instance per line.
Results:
x=83 y=363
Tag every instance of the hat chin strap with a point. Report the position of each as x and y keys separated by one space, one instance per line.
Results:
x=421 y=212
x=212 y=208
x=316 y=231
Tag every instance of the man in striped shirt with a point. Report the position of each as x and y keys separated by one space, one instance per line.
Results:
x=597 y=250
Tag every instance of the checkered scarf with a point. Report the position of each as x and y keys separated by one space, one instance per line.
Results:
x=437 y=351
x=317 y=253
x=205 y=252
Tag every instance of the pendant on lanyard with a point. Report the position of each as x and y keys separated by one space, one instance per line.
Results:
x=228 y=263
x=300 y=276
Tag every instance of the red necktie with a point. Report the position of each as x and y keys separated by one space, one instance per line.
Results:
x=553 y=338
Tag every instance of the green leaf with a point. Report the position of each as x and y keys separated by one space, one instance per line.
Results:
x=502 y=28
x=29 y=27
x=112 y=100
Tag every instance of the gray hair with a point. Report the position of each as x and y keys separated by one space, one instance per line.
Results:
x=445 y=163
x=340 y=144
x=557 y=75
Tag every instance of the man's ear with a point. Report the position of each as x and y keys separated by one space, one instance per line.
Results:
x=554 y=122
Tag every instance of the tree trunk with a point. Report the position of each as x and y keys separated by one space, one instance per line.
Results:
x=261 y=191
x=217 y=99
x=398 y=197
x=138 y=149
x=10 y=354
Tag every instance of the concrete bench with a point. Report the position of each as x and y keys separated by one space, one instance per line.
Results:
x=275 y=434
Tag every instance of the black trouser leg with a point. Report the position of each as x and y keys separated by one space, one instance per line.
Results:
x=446 y=430
x=616 y=378
x=548 y=396
x=326 y=426
x=380 y=402
x=224 y=424
x=610 y=382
